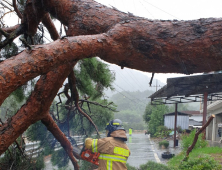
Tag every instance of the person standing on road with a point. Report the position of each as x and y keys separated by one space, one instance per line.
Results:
x=130 y=131
x=113 y=150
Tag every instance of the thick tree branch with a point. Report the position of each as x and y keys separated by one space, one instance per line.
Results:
x=42 y=59
x=50 y=27
x=11 y=29
x=126 y=45
x=32 y=16
x=36 y=107
x=11 y=36
x=60 y=136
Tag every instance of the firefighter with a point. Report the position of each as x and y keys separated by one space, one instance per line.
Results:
x=113 y=150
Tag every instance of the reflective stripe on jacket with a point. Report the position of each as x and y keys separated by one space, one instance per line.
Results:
x=113 y=153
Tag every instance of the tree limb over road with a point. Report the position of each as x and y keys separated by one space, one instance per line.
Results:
x=95 y=30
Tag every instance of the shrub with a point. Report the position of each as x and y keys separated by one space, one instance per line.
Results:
x=201 y=163
x=153 y=166
x=162 y=131
x=179 y=129
x=187 y=140
x=164 y=143
x=130 y=167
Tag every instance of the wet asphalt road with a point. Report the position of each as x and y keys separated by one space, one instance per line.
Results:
x=142 y=150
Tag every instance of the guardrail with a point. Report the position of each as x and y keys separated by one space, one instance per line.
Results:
x=32 y=148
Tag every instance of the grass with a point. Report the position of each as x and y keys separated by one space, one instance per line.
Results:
x=212 y=151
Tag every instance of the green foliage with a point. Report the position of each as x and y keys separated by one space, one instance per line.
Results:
x=202 y=162
x=101 y=116
x=11 y=105
x=19 y=94
x=80 y=125
x=131 y=106
x=130 y=116
x=162 y=131
x=150 y=165
x=38 y=132
x=92 y=77
x=9 y=51
x=179 y=129
x=38 y=162
x=164 y=143
x=60 y=158
x=156 y=117
x=131 y=119
x=187 y=140
x=14 y=159
x=134 y=101
x=87 y=165
x=173 y=163
x=147 y=113
x=129 y=167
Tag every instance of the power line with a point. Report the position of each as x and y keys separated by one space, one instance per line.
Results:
x=147 y=10
x=160 y=9
x=131 y=75
x=130 y=95
x=128 y=98
x=123 y=78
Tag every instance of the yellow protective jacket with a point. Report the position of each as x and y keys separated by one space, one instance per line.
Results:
x=113 y=151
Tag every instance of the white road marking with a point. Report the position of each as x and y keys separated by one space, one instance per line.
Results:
x=155 y=154
x=157 y=158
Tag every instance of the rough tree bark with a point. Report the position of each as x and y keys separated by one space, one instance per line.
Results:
x=128 y=41
x=36 y=108
x=52 y=127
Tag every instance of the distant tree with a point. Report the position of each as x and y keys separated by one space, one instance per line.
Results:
x=156 y=117
x=147 y=113
x=131 y=119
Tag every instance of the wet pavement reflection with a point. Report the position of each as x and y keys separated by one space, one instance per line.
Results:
x=141 y=148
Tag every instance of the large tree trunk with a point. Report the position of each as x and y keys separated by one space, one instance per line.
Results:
x=128 y=41
x=139 y=45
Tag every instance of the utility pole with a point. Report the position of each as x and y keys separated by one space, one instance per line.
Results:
x=156 y=85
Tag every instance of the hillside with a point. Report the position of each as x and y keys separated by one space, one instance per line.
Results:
x=131 y=94
x=131 y=107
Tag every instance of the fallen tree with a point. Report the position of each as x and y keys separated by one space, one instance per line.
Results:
x=93 y=30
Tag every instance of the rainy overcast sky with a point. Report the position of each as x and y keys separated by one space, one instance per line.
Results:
x=168 y=10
